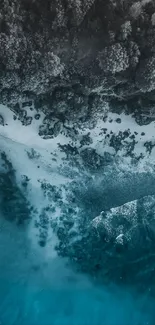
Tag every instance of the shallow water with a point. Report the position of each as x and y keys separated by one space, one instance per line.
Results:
x=34 y=290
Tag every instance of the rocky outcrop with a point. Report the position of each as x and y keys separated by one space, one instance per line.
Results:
x=117 y=245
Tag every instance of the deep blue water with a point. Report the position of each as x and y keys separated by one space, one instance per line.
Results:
x=36 y=291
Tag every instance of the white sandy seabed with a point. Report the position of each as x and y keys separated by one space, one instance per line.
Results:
x=37 y=287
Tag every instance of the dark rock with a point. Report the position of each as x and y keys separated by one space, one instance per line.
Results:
x=27 y=104
x=42 y=243
x=27 y=120
x=33 y=154
x=116 y=141
x=142 y=119
x=118 y=120
x=22 y=115
x=86 y=140
x=50 y=129
x=149 y=146
x=126 y=134
x=37 y=116
x=69 y=150
x=91 y=159
x=25 y=180
x=1 y=120
x=132 y=136
x=129 y=147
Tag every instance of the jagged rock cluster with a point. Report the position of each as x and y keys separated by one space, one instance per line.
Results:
x=62 y=54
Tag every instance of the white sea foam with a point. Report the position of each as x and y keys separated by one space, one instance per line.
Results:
x=18 y=141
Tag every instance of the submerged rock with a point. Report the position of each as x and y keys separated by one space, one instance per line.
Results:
x=14 y=205
x=117 y=245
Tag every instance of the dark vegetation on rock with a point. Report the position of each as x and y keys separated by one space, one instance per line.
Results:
x=56 y=53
